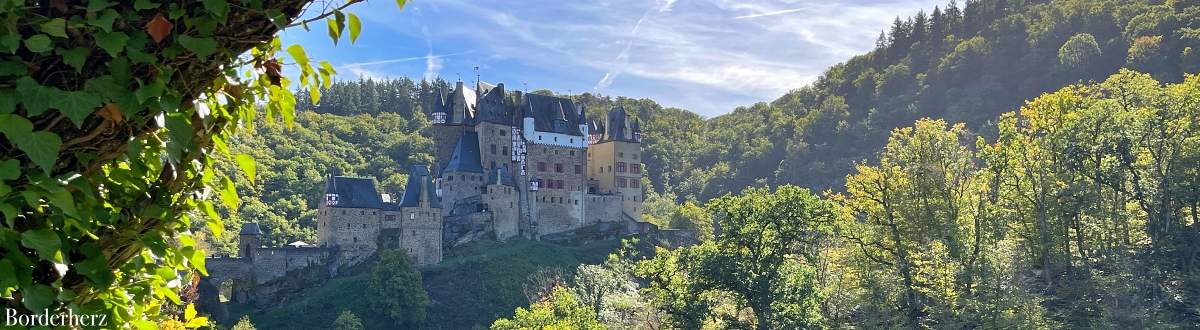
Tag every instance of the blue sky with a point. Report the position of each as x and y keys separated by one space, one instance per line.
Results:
x=707 y=56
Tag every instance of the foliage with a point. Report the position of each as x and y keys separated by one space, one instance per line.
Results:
x=112 y=116
x=292 y=165
x=560 y=311
x=347 y=321
x=396 y=290
x=243 y=324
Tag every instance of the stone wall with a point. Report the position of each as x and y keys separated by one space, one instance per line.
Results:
x=272 y=263
x=494 y=145
x=502 y=203
x=457 y=186
x=354 y=231
x=603 y=208
x=556 y=208
x=421 y=234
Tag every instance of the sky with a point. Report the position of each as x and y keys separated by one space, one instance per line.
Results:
x=706 y=56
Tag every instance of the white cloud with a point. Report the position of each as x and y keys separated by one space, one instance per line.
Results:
x=721 y=52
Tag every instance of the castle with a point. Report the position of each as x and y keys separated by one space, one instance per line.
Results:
x=505 y=165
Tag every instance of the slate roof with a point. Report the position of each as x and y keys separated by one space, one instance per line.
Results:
x=620 y=127
x=461 y=99
x=466 y=155
x=500 y=176
x=547 y=110
x=354 y=192
x=493 y=105
x=250 y=229
x=418 y=174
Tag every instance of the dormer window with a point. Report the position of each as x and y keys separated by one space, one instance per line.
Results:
x=331 y=199
x=439 y=118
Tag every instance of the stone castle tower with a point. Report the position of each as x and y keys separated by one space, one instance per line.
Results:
x=513 y=164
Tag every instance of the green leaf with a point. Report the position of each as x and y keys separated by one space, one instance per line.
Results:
x=38 y=43
x=144 y=4
x=62 y=199
x=400 y=3
x=76 y=105
x=218 y=8
x=10 y=169
x=104 y=21
x=44 y=241
x=327 y=73
x=214 y=219
x=42 y=148
x=75 y=57
x=201 y=46
x=246 y=162
x=113 y=43
x=97 y=5
x=10 y=42
x=34 y=96
x=37 y=297
x=8 y=101
x=298 y=54
x=189 y=312
x=8 y=275
x=336 y=25
x=355 y=27
x=56 y=27
x=229 y=194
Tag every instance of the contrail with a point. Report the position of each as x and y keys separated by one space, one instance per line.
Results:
x=773 y=13
x=400 y=60
x=623 y=57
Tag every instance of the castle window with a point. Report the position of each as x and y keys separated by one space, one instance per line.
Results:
x=635 y=168
x=539 y=137
x=362 y=212
x=610 y=168
x=504 y=150
x=364 y=226
x=541 y=166
x=572 y=151
x=578 y=169
x=635 y=156
x=572 y=141
x=493 y=164
x=502 y=132
x=620 y=155
x=558 y=168
x=620 y=167
x=449 y=178
x=356 y=240
x=621 y=182
x=493 y=147
x=555 y=152
x=633 y=183
x=412 y=216
x=389 y=217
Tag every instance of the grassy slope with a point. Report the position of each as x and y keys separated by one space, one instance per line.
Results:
x=471 y=288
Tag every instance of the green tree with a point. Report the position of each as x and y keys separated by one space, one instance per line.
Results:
x=561 y=310
x=243 y=324
x=396 y=289
x=1079 y=51
x=109 y=141
x=346 y=320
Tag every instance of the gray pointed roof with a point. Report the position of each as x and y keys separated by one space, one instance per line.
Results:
x=466 y=155
x=620 y=127
x=419 y=182
x=354 y=192
x=250 y=228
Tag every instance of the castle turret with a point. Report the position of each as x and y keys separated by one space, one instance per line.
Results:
x=420 y=229
x=615 y=162
x=249 y=240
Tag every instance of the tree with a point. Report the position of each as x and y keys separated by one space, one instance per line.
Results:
x=561 y=310
x=1079 y=51
x=243 y=324
x=397 y=290
x=594 y=284
x=346 y=320
x=108 y=141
